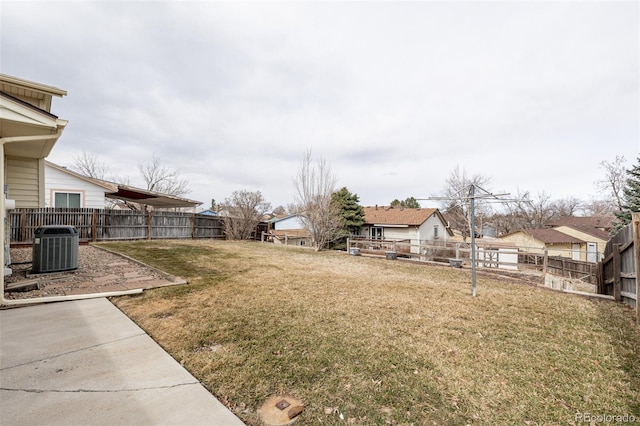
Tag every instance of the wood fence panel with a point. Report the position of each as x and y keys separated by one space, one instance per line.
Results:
x=123 y=225
x=636 y=238
x=24 y=222
x=619 y=276
x=171 y=225
x=585 y=271
x=106 y=225
x=208 y=227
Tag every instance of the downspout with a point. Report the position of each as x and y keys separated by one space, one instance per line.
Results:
x=3 y=213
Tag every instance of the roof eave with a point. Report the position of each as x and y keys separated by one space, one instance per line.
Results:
x=32 y=85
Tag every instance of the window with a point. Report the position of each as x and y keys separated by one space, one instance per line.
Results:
x=376 y=233
x=66 y=200
x=592 y=252
x=435 y=232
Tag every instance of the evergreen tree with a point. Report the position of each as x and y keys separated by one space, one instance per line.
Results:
x=409 y=203
x=630 y=198
x=351 y=212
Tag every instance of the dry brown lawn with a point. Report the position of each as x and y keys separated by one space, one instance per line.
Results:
x=374 y=341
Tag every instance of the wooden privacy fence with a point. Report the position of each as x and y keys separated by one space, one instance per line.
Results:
x=105 y=225
x=618 y=273
x=577 y=269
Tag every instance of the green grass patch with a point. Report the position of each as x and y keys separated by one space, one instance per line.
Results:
x=384 y=342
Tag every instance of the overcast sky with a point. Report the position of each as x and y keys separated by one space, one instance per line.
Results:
x=395 y=95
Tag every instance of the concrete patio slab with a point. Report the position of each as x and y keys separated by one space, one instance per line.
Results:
x=85 y=362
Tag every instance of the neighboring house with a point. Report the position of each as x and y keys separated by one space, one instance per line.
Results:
x=67 y=189
x=289 y=230
x=288 y=222
x=594 y=230
x=208 y=212
x=556 y=242
x=595 y=239
x=403 y=224
x=489 y=230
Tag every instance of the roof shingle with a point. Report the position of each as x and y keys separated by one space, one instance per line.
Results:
x=386 y=215
x=602 y=222
x=551 y=236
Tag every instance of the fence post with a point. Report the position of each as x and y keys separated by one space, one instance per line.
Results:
x=348 y=245
x=636 y=248
x=23 y=227
x=545 y=262
x=600 y=278
x=193 y=226
x=149 y=228
x=94 y=226
x=617 y=282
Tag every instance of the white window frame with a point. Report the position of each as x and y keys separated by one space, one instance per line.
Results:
x=373 y=233
x=592 y=252
x=56 y=192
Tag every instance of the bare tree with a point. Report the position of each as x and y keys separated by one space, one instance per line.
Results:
x=457 y=204
x=244 y=210
x=159 y=178
x=532 y=213
x=280 y=211
x=526 y=213
x=566 y=207
x=314 y=185
x=598 y=208
x=505 y=223
x=614 y=180
x=89 y=165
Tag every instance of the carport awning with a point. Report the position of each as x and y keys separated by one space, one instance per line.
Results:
x=155 y=199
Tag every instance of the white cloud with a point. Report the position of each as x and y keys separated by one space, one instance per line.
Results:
x=393 y=94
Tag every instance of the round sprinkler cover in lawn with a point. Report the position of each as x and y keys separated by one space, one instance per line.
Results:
x=280 y=410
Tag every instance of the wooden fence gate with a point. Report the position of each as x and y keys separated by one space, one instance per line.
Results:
x=617 y=273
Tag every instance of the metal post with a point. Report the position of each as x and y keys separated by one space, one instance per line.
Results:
x=473 y=240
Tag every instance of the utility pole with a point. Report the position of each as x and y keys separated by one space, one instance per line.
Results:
x=472 y=198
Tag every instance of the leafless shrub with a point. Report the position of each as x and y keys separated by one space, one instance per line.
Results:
x=243 y=211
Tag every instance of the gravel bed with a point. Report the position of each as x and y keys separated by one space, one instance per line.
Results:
x=95 y=266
